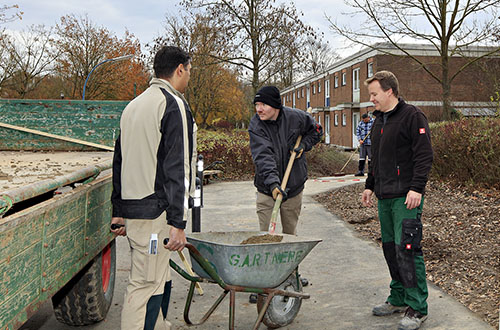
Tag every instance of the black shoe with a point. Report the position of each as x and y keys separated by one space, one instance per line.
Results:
x=359 y=174
x=253 y=298
x=304 y=281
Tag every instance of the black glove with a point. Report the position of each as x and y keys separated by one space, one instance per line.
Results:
x=276 y=189
x=299 y=150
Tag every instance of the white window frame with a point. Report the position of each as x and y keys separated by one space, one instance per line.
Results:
x=344 y=119
x=355 y=79
x=336 y=81
x=302 y=92
x=314 y=89
x=319 y=87
x=327 y=91
x=298 y=94
x=370 y=69
x=336 y=119
x=344 y=78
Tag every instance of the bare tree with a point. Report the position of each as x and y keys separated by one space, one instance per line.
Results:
x=212 y=83
x=30 y=54
x=450 y=26
x=6 y=17
x=254 y=32
x=83 y=47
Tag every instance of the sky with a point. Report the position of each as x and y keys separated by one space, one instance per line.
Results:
x=144 y=18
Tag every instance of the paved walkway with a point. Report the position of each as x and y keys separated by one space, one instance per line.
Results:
x=347 y=274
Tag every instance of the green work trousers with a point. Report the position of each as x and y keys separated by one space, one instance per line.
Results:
x=401 y=237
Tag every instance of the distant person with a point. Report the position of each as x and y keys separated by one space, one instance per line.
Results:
x=402 y=159
x=153 y=179
x=273 y=132
x=365 y=143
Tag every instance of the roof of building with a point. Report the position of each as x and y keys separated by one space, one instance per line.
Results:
x=387 y=48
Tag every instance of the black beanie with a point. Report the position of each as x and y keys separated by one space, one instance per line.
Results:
x=269 y=95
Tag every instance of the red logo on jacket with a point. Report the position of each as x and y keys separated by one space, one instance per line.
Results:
x=421 y=130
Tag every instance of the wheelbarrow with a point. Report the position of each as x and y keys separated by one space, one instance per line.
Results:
x=268 y=269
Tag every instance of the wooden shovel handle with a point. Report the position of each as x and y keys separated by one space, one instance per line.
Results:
x=277 y=203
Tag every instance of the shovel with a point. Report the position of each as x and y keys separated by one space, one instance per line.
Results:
x=277 y=203
x=341 y=173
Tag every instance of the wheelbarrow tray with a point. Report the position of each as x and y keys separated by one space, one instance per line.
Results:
x=263 y=265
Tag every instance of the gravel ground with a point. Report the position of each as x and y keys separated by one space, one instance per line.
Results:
x=461 y=240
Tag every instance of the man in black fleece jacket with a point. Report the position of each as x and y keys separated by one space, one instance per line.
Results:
x=402 y=159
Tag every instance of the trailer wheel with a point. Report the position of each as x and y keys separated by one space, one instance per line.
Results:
x=87 y=297
x=282 y=310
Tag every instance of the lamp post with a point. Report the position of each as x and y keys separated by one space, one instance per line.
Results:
x=115 y=59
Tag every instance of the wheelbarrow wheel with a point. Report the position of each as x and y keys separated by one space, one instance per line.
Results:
x=282 y=310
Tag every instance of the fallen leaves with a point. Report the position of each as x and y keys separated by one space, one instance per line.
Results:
x=461 y=239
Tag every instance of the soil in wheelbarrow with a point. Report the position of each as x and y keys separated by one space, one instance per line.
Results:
x=267 y=238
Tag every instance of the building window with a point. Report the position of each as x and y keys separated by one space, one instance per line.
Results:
x=314 y=89
x=284 y=98
x=336 y=82
x=370 y=69
x=319 y=86
x=355 y=79
x=302 y=92
x=298 y=94
x=327 y=93
x=336 y=120
x=344 y=78
x=344 y=119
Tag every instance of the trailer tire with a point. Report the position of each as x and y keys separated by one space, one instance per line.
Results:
x=282 y=310
x=87 y=297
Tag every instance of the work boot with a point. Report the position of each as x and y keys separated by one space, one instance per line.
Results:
x=359 y=174
x=412 y=320
x=387 y=309
x=253 y=298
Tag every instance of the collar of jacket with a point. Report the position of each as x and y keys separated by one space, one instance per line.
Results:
x=400 y=104
x=162 y=83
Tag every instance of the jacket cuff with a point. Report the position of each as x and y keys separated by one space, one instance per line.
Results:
x=178 y=223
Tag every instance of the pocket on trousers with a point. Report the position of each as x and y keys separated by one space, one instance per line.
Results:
x=412 y=234
x=151 y=267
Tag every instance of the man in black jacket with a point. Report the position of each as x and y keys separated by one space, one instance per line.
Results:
x=273 y=132
x=402 y=159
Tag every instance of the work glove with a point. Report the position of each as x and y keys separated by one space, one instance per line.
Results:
x=276 y=189
x=299 y=150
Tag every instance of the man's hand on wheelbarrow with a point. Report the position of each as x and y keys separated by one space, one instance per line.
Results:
x=177 y=240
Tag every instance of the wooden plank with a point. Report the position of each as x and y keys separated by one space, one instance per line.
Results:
x=65 y=209
x=58 y=137
x=16 y=310
x=20 y=269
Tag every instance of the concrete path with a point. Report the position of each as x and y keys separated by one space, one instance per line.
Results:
x=347 y=274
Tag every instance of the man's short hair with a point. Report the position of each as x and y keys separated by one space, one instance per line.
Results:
x=167 y=59
x=365 y=115
x=387 y=80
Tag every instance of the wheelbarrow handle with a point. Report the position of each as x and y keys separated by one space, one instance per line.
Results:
x=205 y=265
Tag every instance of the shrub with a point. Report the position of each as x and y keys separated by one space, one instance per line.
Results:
x=326 y=160
x=467 y=152
x=230 y=147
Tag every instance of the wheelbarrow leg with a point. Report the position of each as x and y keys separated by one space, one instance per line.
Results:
x=208 y=313
x=263 y=311
x=232 y=299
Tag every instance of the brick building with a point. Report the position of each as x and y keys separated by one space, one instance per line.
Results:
x=338 y=96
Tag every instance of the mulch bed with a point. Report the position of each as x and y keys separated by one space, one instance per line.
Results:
x=461 y=240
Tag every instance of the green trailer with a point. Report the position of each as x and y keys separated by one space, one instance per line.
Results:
x=55 y=242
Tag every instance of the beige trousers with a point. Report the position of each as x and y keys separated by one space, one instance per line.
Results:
x=148 y=273
x=289 y=212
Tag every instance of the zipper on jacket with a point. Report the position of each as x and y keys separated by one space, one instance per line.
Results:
x=399 y=179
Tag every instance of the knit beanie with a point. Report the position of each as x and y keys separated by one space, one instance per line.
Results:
x=269 y=95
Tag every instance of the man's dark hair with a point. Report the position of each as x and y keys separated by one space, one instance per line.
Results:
x=387 y=80
x=167 y=59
